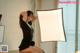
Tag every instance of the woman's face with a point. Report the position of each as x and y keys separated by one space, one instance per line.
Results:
x=30 y=18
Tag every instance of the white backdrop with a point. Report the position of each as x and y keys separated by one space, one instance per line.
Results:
x=51 y=25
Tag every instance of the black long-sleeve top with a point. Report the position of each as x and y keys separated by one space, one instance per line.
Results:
x=27 y=35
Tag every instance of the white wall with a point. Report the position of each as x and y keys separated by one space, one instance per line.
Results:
x=48 y=4
x=10 y=10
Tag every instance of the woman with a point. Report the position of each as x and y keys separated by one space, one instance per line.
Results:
x=26 y=19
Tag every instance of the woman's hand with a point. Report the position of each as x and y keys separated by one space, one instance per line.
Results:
x=34 y=18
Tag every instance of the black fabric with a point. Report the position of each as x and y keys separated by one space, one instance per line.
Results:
x=27 y=35
x=30 y=22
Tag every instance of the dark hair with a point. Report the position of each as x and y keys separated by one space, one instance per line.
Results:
x=0 y=16
x=29 y=13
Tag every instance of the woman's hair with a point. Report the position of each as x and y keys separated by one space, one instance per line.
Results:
x=29 y=13
x=0 y=16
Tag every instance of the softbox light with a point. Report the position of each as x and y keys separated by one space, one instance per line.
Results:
x=51 y=25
